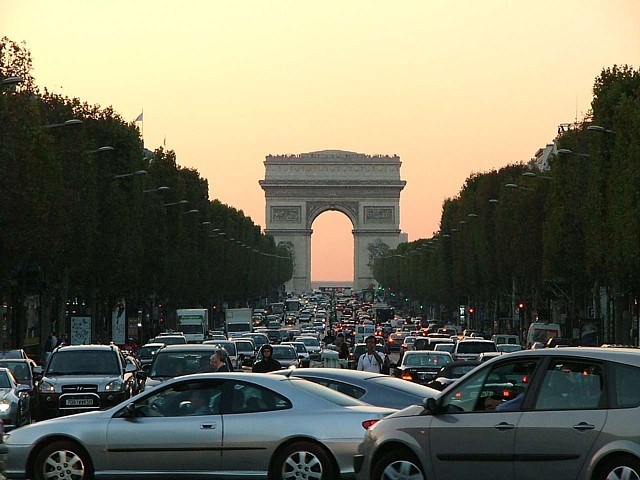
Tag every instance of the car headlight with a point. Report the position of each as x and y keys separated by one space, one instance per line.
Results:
x=114 y=386
x=5 y=405
x=46 y=387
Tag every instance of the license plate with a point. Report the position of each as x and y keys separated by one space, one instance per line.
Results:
x=79 y=402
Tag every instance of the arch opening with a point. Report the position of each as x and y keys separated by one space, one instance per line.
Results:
x=332 y=248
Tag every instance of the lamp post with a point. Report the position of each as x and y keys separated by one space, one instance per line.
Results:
x=181 y=202
x=159 y=189
x=127 y=175
x=67 y=123
x=10 y=81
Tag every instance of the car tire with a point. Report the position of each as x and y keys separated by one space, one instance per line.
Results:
x=67 y=458
x=398 y=464
x=303 y=460
x=625 y=467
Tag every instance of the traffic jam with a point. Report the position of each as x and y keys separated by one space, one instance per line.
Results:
x=322 y=386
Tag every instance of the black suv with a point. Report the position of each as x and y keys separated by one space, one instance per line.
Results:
x=80 y=378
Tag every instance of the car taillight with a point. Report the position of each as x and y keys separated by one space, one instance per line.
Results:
x=367 y=424
x=407 y=376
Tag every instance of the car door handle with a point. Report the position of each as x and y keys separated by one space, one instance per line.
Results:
x=504 y=426
x=208 y=426
x=582 y=426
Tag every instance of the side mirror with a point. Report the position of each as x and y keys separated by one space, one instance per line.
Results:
x=430 y=405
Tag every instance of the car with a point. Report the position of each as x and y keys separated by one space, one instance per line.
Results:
x=81 y=378
x=565 y=413
x=247 y=425
x=147 y=351
x=258 y=339
x=177 y=360
x=421 y=366
x=285 y=354
x=246 y=350
x=509 y=347
x=444 y=347
x=217 y=336
x=171 y=339
x=394 y=341
x=372 y=388
x=469 y=348
x=24 y=372
x=451 y=372
x=430 y=343
x=301 y=349
x=407 y=343
x=15 y=401
x=229 y=346
x=313 y=346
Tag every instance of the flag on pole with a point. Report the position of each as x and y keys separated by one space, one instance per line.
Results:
x=139 y=118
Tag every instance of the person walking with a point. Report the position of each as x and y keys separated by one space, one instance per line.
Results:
x=371 y=360
x=266 y=364
x=343 y=347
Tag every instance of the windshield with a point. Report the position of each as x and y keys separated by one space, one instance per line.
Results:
x=326 y=393
x=84 y=362
x=426 y=359
x=238 y=327
x=310 y=342
x=147 y=352
x=192 y=329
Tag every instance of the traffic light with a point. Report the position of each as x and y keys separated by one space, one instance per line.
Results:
x=521 y=305
x=472 y=310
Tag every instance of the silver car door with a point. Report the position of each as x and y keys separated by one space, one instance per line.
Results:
x=173 y=430
x=554 y=438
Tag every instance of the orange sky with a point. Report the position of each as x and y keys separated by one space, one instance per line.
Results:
x=452 y=87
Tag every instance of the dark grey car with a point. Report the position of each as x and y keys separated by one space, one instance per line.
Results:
x=372 y=388
x=569 y=413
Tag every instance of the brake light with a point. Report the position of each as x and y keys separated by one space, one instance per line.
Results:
x=407 y=376
x=367 y=424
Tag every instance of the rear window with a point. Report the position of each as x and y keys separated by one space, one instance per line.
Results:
x=476 y=347
x=326 y=393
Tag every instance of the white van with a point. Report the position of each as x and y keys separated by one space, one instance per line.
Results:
x=501 y=338
x=542 y=332
x=363 y=331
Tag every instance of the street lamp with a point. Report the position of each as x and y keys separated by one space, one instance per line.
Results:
x=73 y=121
x=514 y=186
x=11 y=81
x=535 y=175
x=181 y=202
x=127 y=175
x=598 y=128
x=566 y=151
x=193 y=210
x=159 y=189
x=106 y=148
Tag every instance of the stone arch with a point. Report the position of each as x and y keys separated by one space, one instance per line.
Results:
x=366 y=188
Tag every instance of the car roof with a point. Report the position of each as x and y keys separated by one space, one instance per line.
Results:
x=630 y=356
x=186 y=347
x=112 y=347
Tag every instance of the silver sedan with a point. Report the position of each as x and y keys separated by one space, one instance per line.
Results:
x=215 y=425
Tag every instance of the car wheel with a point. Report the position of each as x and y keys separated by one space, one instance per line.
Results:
x=303 y=460
x=63 y=461
x=620 y=468
x=396 y=465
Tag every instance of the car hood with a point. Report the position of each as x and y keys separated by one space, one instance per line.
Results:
x=5 y=392
x=87 y=379
x=410 y=411
x=27 y=433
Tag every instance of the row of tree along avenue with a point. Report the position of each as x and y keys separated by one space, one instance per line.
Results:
x=551 y=241
x=91 y=221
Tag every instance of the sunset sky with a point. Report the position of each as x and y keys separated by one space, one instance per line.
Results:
x=452 y=87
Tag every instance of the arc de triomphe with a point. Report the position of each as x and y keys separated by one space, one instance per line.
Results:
x=366 y=188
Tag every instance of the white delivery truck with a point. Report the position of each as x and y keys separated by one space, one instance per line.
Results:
x=193 y=323
x=238 y=321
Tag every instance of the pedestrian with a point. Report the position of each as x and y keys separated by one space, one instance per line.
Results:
x=266 y=363
x=371 y=360
x=343 y=347
x=218 y=361
x=49 y=345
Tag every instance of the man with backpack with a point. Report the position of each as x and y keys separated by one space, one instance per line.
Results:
x=372 y=360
